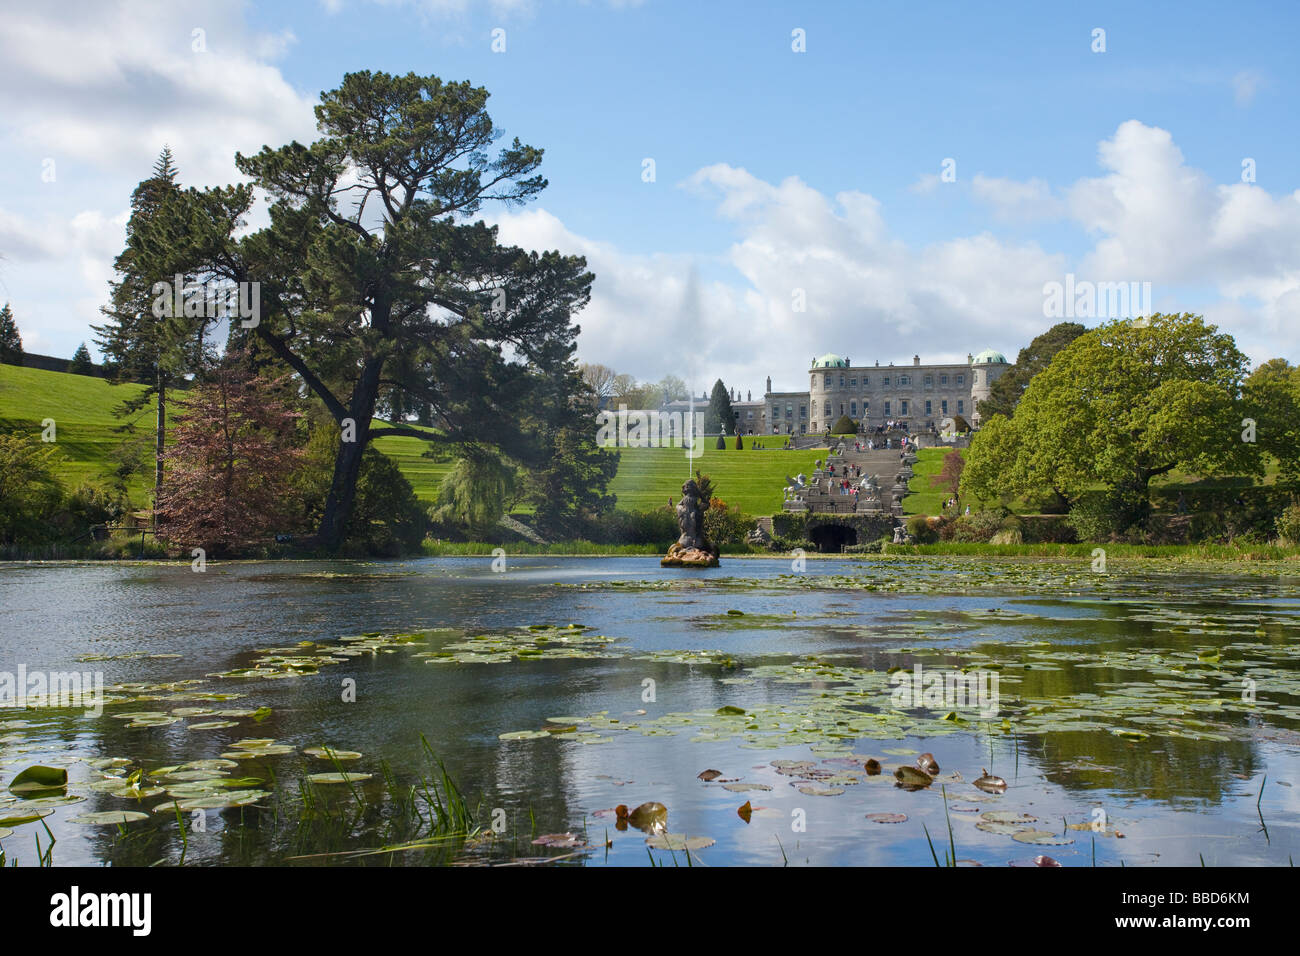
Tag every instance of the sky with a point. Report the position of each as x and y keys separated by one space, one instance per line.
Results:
x=753 y=183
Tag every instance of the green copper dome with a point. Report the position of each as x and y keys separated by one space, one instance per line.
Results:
x=830 y=360
x=990 y=357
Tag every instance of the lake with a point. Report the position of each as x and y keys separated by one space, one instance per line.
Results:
x=1148 y=716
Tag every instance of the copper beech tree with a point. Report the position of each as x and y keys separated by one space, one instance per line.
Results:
x=229 y=465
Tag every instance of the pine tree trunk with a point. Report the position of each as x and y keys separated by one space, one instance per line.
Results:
x=158 y=445
x=347 y=466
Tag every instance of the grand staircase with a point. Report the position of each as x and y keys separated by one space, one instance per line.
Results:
x=850 y=458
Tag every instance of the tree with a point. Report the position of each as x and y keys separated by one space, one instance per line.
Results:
x=1126 y=403
x=949 y=476
x=30 y=492
x=740 y=445
x=472 y=496
x=368 y=255
x=844 y=426
x=11 y=343
x=720 y=418
x=600 y=378
x=81 y=363
x=231 y=462
x=1272 y=399
x=143 y=340
x=670 y=388
x=960 y=425
x=989 y=472
x=1007 y=390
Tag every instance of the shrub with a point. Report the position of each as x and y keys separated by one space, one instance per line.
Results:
x=979 y=526
x=1288 y=522
x=739 y=444
x=722 y=443
x=921 y=530
x=845 y=426
x=722 y=526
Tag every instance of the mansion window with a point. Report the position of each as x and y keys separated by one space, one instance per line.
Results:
x=886 y=407
x=827 y=410
x=943 y=407
x=928 y=410
x=943 y=379
x=961 y=406
x=903 y=403
x=841 y=381
x=853 y=409
x=885 y=380
x=961 y=379
x=929 y=380
x=904 y=380
x=853 y=383
x=828 y=380
x=865 y=381
x=803 y=411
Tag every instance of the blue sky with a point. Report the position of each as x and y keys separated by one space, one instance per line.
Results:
x=775 y=170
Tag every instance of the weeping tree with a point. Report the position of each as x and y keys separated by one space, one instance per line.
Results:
x=473 y=494
x=375 y=283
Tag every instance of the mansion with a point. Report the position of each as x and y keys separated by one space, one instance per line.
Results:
x=919 y=396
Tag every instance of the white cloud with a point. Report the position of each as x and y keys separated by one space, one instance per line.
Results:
x=1245 y=85
x=1014 y=200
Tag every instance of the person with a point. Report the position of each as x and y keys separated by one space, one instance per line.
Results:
x=968 y=509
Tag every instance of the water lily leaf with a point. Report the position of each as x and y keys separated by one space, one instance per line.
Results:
x=1045 y=861
x=887 y=817
x=927 y=763
x=37 y=778
x=1008 y=816
x=329 y=753
x=261 y=714
x=1004 y=829
x=563 y=840
x=651 y=815
x=815 y=790
x=110 y=817
x=990 y=784
x=22 y=816
x=745 y=787
x=913 y=777
x=730 y=711
x=708 y=775
x=872 y=767
x=41 y=803
x=338 y=777
x=524 y=735
x=678 y=841
x=745 y=811
x=1041 y=838
x=212 y=725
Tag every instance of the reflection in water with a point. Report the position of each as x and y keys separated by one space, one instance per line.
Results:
x=1158 y=699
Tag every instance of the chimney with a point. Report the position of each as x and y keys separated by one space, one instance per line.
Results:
x=877 y=363
x=749 y=396
x=769 y=385
x=970 y=359
x=916 y=360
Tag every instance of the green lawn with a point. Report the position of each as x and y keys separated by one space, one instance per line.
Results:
x=753 y=481
x=83 y=411
x=82 y=408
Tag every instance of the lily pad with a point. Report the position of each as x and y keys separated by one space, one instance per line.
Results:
x=110 y=817
x=1041 y=838
x=37 y=777
x=338 y=777
x=678 y=842
x=887 y=817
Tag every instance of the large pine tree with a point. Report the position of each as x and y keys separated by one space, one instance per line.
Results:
x=141 y=346
x=376 y=280
x=720 y=418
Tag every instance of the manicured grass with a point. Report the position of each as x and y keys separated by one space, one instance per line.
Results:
x=753 y=481
x=83 y=411
x=424 y=474
x=925 y=498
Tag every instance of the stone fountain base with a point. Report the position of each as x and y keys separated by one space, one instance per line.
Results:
x=682 y=557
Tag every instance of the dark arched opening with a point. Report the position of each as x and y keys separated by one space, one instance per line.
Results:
x=832 y=538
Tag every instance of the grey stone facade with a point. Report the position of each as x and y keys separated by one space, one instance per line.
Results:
x=921 y=396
